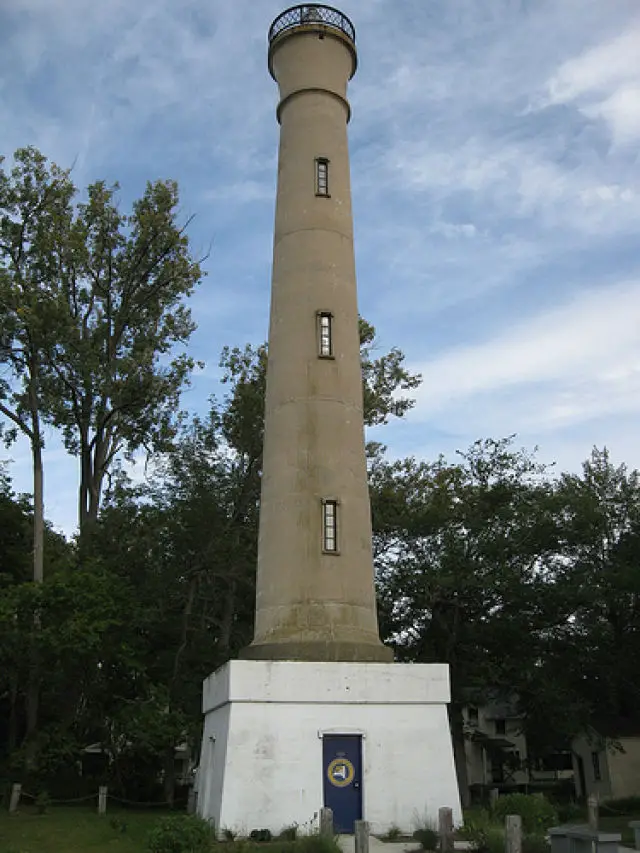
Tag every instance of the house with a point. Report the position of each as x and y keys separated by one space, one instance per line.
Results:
x=497 y=755
x=608 y=767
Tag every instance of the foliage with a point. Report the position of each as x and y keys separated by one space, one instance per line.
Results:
x=289 y=833
x=180 y=834
x=260 y=835
x=535 y=843
x=72 y=830
x=621 y=806
x=392 y=834
x=537 y=813
x=427 y=837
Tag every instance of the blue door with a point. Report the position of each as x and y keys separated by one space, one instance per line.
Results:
x=342 y=772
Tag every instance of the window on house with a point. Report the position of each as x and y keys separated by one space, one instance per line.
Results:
x=322 y=176
x=472 y=715
x=330 y=526
x=595 y=761
x=501 y=727
x=325 y=334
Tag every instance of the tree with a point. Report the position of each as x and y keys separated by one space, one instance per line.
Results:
x=112 y=386
x=600 y=581
x=91 y=307
x=459 y=549
x=35 y=218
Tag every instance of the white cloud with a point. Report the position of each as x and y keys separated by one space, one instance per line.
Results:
x=604 y=83
x=575 y=362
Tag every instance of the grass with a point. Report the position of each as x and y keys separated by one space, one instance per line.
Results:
x=619 y=823
x=75 y=830
x=81 y=830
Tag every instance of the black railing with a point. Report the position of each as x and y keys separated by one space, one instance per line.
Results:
x=310 y=13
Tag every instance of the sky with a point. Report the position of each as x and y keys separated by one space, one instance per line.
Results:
x=496 y=193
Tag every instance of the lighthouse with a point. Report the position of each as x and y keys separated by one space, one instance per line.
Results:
x=316 y=713
x=315 y=591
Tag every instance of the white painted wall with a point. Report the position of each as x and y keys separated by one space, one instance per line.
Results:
x=261 y=764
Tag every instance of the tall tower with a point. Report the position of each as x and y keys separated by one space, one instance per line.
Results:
x=316 y=713
x=315 y=589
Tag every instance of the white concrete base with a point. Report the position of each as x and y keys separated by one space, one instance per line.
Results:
x=261 y=764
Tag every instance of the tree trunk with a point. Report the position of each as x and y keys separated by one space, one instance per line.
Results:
x=459 y=753
x=33 y=685
x=169 y=776
x=38 y=493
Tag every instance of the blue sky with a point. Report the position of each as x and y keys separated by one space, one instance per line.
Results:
x=496 y=189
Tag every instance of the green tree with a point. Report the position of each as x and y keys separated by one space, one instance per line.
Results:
x=600 y=581
x=459 y=548
x=112 y=385
x=35 y=218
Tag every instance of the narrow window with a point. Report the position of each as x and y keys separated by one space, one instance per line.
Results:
x=330 y=526
x=322 y=176
x=325 y=334
x=595 y=761
x=472 y=715
x=501 y=727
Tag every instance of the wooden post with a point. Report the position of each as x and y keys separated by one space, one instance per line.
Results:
x=513 y=833
x=326 y=822
x=593 y=809
x=102 y=799
x=14 y=802
x=494 y=793
x=445 y=829
x=361 y=836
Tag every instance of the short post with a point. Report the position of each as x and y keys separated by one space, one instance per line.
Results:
x=14 y=802
x=445 y=829
x=513 y=833
x=593 y=810
x=635 y=826
x=326 y=822
x=102 y=799
x=361 y=836
x=494 y=793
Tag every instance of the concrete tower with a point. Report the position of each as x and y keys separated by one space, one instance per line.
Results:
x=315 y=590
x=316 y=714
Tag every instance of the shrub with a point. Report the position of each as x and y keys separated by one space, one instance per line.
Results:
x=624 y=806
x=535 y=844
x=260 y=835
x=43 y=801
x=392 y=834
x=316 y=844
x=537 y=813
x=289 y=833
x=427 y=837
x=180 y=834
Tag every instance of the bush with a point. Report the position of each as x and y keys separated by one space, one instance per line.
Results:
x=289 y=833
x=260 y=835
x=536 y=812
x=180 y=834
x=535 y=844
x=427 y=838
x=316 y=844
x=622 y=806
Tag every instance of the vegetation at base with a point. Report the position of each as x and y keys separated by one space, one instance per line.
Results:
x=80 y=830
x=537 y=813
x=427 y=837
x=181 y=834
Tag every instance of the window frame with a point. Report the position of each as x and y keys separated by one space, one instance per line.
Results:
x=330 y=512
x=322 y=177
x=321 y=317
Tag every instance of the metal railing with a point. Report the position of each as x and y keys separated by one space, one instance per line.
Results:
x=310 y=13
